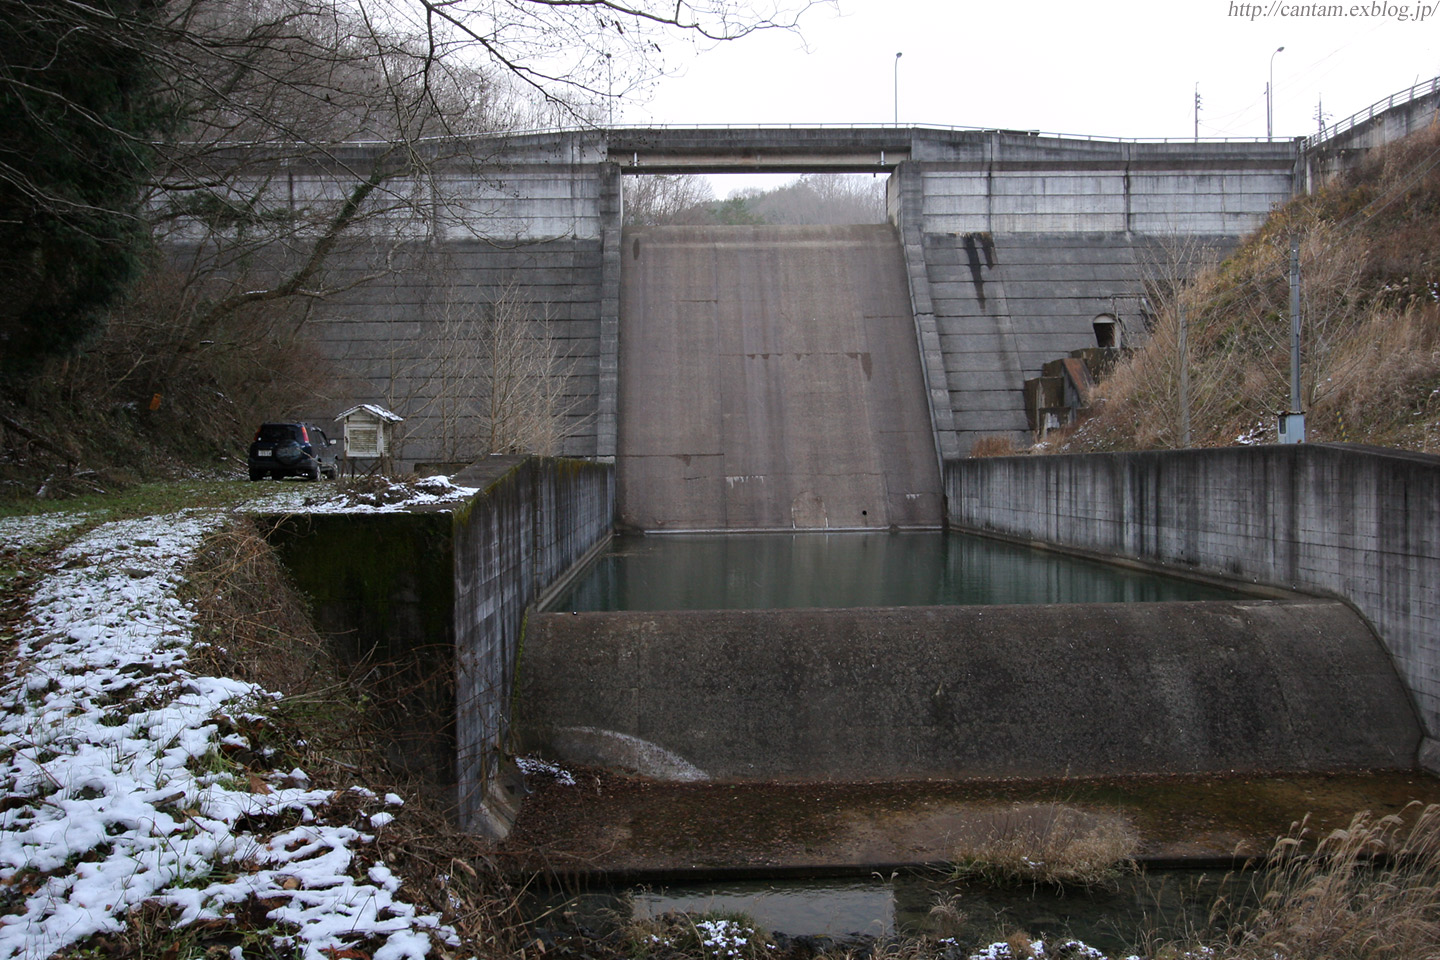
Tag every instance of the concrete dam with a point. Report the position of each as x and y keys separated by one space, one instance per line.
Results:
x=813 y=379
x=770 y=380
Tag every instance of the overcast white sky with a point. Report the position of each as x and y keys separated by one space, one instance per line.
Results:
x=1106 y=68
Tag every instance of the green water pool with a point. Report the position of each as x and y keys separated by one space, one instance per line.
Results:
x=825 y=570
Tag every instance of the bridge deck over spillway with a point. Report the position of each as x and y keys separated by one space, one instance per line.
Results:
x=770 y=379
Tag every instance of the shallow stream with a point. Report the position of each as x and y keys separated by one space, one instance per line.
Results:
x=1163 y=904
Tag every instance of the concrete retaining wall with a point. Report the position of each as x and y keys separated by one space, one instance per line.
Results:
x=1016 y=245
x=1354 y=522
x=1024 y=241
x=417 y=343
x=1005 y=182
x=1001 y=306
x=988 y=691
x=531 y=522
x=532 y=219
x=382 y=591
x=434 y=603
x=1385 y=121
x=539 y=216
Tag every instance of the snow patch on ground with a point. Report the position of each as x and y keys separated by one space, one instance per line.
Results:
x=376 y=497
x=536 y=767
x=1065 y=950
x=18 y=533
x=110 y=800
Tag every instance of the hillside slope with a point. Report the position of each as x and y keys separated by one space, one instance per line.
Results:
x=1370 y=267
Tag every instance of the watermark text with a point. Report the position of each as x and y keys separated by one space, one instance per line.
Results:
x=1371 y=9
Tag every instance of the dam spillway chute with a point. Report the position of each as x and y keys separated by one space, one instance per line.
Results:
x=770 y=379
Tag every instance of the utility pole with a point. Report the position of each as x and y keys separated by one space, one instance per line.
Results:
x=1270 y=99
x=1292 y=421
x=1184 y=376
x=897 y=88
x=610 y=88
x=1295 y=323
x=1197 y=111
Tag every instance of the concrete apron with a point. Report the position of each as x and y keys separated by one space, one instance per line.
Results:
x=965 y=692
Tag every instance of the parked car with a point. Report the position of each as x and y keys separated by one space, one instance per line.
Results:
x=292 y=450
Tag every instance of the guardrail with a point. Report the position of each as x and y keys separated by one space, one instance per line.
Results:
x=897 y=128
x=1398 y=99
x=621 y=128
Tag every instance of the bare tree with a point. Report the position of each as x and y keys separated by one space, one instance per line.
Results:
x=572 y=52
x=822 y=199
x=236 y=91
x=667 y=198
x=528 y=404
x=485 y=375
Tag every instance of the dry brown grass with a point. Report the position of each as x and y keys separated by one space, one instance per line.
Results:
x=253 y=623
x=996 y=445
x=1370 y=891
x=1370 y=334
x=1047 y=843
x=257 y=628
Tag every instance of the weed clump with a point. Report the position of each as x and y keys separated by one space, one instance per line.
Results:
x=714 y=936
x=996 y=445
x=1047 y=843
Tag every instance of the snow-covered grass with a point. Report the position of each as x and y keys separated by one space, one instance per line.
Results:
x=20 y=533
x=711 y=936
x=117 y=790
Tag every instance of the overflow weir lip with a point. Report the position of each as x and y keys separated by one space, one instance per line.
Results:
x=965 y=691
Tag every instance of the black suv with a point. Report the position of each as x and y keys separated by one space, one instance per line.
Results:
x=292 y=450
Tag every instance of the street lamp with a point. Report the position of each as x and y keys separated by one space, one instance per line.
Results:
x=610 y=88
x=897 y=89
x=1270 y=99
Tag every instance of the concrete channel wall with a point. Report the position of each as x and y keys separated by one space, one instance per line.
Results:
x=382 y=590
x=1353 y=522
x=532 y=521
x=977 y=691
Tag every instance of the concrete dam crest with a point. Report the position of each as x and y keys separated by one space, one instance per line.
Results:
x=770 y=379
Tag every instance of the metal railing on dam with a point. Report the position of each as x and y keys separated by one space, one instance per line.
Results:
x=1400 y=98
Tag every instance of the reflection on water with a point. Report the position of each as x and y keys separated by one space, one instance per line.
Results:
x=835 y=909
x=770 y=571
x=1161 y=905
